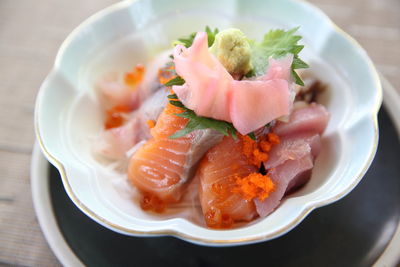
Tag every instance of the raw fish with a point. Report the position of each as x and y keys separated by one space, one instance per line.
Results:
x=161 y=168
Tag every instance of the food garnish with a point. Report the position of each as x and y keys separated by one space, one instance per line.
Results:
x=198 y=122
x=239 y=56
x=277 y=44
x=254 y=185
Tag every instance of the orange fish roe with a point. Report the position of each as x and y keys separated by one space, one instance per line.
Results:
x=151 y=123
x=113 y=120
x=265 y=146
x=135 y=77
x=166 y=73
x=254 y=185
x=114 y=116
x=216 y=219
x=260 y=156
x=151 y=202
x=257 y=152
x=273 y=138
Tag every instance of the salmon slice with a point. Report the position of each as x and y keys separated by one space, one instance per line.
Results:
x=161 y=168
x=217 y=172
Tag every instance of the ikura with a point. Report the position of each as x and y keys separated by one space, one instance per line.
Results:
x=115 y=116
x=152 y=202
x=135 y=77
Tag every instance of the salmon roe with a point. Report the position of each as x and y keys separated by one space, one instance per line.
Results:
x=150 y=123
x=273 y=138
x=153 y=203
x=215 y=219
x=115 y=116
x=134 y=77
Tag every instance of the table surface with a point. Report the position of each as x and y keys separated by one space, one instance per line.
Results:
x=30 y=34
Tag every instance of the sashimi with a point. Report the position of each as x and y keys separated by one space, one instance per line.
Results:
x=282 y=176
x=291 y=161
x=161 y=168
x=217 y=173
x=115 y=142
x=150 y=82
x=293 y=147
x=133 y=88
x=114 y=92
x=313 y=118
x=226 y=134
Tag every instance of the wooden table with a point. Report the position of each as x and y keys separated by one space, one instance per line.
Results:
x=30 y=34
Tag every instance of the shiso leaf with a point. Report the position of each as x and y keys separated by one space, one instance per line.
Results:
x=198 y=122
x=172 y=96
x=175 y=81
x=188 y=40
x=276 y=44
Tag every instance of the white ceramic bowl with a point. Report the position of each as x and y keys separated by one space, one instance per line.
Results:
x=130 y=32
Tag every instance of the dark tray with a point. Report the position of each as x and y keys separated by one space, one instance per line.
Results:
x=351 y=232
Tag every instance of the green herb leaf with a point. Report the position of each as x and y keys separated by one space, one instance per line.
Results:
x=297 y=78
x=211 y=35
x=276 y=44
x=198 y=122
x=299 y=64
x=172 y=96
x=175 y=81
x=191 y=126
x=188 y=41
x=177 y=103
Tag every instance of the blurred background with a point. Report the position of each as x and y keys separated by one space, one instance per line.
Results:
x=30 y=34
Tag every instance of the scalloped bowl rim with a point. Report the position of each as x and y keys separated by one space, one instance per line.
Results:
x=172 y=230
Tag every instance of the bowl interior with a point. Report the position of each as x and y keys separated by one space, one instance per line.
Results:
x=69 y=116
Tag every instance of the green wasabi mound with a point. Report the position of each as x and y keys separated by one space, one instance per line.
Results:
x=233 y=50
